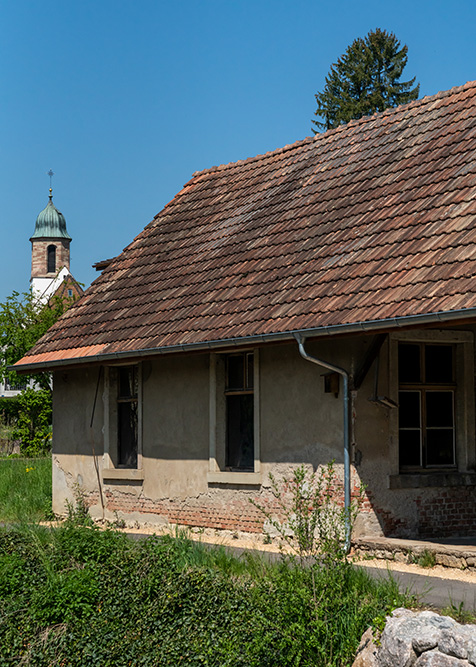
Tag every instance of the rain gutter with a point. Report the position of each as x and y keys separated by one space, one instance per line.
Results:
x=345 y=379
x=314 y=332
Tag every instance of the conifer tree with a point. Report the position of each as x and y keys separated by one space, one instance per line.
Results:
x=365 y=79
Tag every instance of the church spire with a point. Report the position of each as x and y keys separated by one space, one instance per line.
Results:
x=49 y=249
x=50 y=223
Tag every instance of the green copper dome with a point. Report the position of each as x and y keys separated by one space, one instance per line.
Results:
x=50 y=223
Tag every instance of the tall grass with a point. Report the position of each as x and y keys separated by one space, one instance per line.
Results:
x=25 y=489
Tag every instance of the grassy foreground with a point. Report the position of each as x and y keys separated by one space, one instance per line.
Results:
x=25 y=489
x=79 y=596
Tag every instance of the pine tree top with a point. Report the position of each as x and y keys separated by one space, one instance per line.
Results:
x=365 y=79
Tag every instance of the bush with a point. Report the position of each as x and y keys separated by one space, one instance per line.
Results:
x=308 y=515
x=33 y=426
x=79 y=596
x=9 y=409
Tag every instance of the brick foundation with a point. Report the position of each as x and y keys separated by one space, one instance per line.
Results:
x=450 y=513
x=441 y=513
x=240 y=515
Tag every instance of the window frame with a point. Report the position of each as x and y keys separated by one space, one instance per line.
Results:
x=51 y=258
x=464 y=409
x=112 y=470
x=423 y=387
x=217 y=472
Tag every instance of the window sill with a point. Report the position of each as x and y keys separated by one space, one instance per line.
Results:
x=128 y=474
x=234 y=478
x=431 y=479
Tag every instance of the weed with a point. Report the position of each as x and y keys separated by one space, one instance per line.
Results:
x=306 y=514
x=48 y=514
x=426 y=559
x=77 y=512
x=267 y=538
x=459 y=613
x=118 y=523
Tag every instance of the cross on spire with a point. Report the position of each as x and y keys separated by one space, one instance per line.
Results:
x=51 y=173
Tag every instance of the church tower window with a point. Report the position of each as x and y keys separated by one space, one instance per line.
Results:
x=51 y=259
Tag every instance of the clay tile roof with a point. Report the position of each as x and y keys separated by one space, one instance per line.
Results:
x=372 y=221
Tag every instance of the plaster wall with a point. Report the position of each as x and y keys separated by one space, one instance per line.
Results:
x=74 y=440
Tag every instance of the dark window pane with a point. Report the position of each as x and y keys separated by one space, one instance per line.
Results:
x=440 y=449
x=410 y=448
x=409 y=409
x=235 y=372
x=409 y=363
x=127 y=434
x=239 y=427
x=128 y=384
x=438 y=363
x=250 y=371
x=439 y=408
x=51 y=259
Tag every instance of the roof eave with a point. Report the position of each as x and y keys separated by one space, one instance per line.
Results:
x=389 y=324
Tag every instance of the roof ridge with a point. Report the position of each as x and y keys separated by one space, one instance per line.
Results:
x=342 y=128
x=253 y=158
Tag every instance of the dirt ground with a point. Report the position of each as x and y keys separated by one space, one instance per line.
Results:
x=257 y=542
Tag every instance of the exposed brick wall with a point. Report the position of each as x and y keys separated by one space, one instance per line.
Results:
x=448 y=513
x=210 y=511
x=206 y=513
x=391 y=525
x=39 y=257
x=440 y=513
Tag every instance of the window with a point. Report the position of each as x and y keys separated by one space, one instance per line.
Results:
x=127 y=416
x=122 y=423
x=51 y=259
x=234 y=418
x=70 y=293
x=426 y=398
x=239 y=412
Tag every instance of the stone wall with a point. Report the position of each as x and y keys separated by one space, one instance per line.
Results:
x=39 y=255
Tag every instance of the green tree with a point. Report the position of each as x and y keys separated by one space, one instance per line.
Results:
x=23 y=320
x=365 y=79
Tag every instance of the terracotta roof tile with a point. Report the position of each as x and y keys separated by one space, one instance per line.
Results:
x=371 y=221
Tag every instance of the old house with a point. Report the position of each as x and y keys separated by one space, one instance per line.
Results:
x=183 y=375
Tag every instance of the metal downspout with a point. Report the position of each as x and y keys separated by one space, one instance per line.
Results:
x=345 y=377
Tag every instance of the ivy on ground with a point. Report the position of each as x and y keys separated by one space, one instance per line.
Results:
x=78 y=596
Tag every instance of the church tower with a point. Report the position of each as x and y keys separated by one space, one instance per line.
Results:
x=49 y=251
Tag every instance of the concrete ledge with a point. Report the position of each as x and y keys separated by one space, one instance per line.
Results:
x=460 y=556
x=131 y=474
x=234 y=478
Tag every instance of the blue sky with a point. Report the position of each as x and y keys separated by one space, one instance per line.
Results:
x=125 y=100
